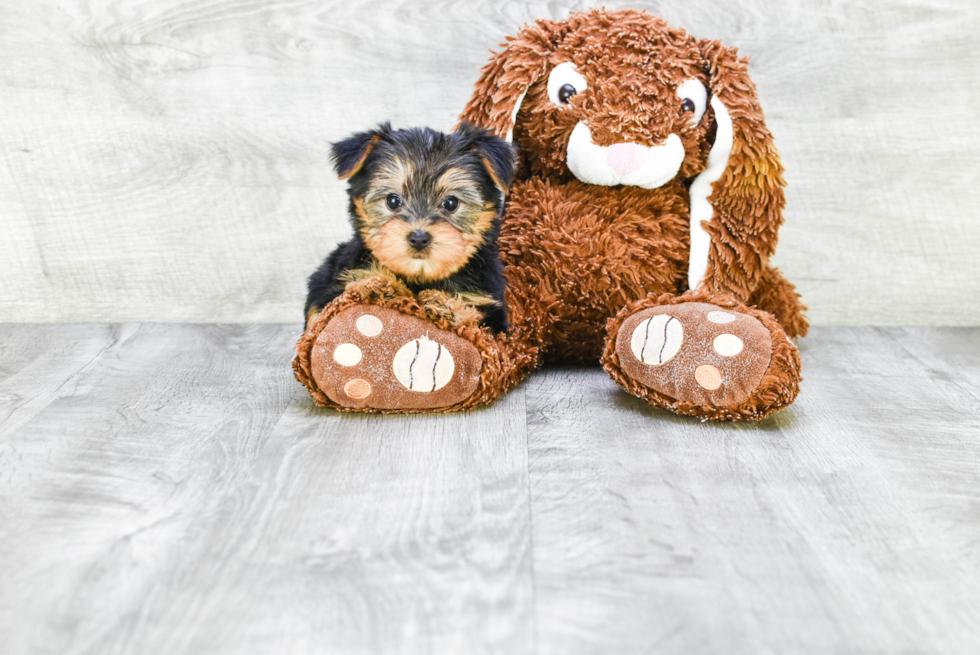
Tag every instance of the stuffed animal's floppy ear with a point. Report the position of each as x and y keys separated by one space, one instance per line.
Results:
x=350 y=154
x=504 y=81
x=739 y=196
x=499 y=157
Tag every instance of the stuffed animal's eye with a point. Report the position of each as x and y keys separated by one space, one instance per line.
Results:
x=393 y=201
x=564 y=82
x=450 y=203
x=694 y=99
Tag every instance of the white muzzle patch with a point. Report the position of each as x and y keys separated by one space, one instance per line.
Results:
x=647 y=167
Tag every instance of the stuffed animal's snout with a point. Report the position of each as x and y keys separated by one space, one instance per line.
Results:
x=634 y=164
x=626 y=157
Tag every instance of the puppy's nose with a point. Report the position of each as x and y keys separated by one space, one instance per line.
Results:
x=419 y=239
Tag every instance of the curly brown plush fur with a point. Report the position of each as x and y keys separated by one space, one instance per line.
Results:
x=622 y=50
x=580 y=256
x=577 y=254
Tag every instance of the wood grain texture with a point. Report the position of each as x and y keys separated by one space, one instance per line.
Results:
x=846 y=523
x=170 y=489
x=178 y=492
x=167 y=160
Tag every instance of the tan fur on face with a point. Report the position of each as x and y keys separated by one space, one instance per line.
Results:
x=455 y=237
x=359 y=210
x=459 y=183
x=393 y=174
x=449 y=251
x=454 y=179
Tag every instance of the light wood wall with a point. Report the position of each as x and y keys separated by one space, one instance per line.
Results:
x=166 y=160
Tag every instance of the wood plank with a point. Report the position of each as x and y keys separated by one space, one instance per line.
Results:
x=120 y=474
x=847 y=523
x=36 y=361
x=182 y=494
x=167 y=160
x=173 y=490
x=382 y=535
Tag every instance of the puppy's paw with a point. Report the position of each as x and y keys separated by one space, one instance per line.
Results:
x=457 y=309
x=371 y=357
x=375 y=284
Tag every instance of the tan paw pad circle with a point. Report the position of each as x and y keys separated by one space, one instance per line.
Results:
x=347 y=354
x=657 y=339
x=708 y=376
x=728 y=345
x=423 y=365
x=369 y=325
x=377 y=358
x=358 y=388
x=720 y=317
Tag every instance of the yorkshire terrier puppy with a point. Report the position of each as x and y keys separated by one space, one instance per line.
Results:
x=426 y=210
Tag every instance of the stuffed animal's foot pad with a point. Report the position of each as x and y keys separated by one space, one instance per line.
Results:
x=695 y=352
x=378 y=358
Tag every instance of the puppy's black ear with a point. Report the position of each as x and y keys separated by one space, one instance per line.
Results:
x=498 y=156
x=350 y=154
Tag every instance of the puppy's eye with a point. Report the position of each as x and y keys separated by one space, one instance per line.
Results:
x=450 y=203
x=393 y=201
x=564 y=82
x=694 y=100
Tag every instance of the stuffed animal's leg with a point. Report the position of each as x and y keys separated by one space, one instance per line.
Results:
x=777 y=296
x=703 y=354
x=378 y=348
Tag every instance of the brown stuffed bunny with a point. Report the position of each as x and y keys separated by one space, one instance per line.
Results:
x=637 y=233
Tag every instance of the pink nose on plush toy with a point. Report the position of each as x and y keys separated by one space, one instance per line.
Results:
x=625 y=157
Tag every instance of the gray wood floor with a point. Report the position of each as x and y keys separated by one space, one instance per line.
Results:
x=171 y=489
